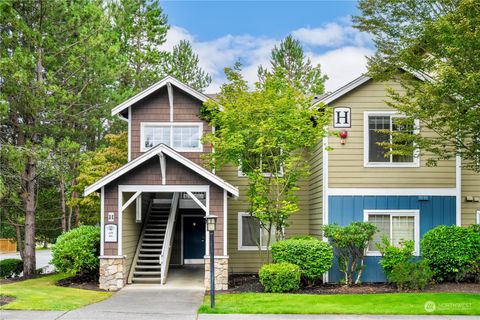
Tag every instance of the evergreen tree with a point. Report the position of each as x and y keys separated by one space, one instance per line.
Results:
x=141 y=27
x=296 y=67
x=183 y=65
x=54 y=68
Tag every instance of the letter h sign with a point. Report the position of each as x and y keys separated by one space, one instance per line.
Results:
x=342 y=117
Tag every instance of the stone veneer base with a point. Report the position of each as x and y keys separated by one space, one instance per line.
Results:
x=221 y=273
x=113 y=275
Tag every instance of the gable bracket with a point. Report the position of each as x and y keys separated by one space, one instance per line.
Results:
x=170 y=99
x=163 y=167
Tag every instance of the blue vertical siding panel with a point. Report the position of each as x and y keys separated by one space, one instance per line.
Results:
x=434 y=211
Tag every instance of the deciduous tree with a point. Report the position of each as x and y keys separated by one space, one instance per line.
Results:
x=267 y=133
x=437 y=40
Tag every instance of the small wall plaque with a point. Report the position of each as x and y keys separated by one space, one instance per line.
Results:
x=111 y=233
x=111 y=216
x=342 y=117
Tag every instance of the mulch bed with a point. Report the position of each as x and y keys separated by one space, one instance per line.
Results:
x=86 y=282
x=250 y=283
x=5 y=299
x=22 y=278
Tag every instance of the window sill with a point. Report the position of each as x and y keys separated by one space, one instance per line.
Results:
x=251 y=249
x=176 y=149
x=378 y=254
x=391 y=165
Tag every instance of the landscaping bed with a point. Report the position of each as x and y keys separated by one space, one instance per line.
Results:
x=5 y=299
x=86 y=282
x=241 y=283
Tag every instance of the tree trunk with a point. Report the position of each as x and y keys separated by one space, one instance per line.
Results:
x=76 y=210
x=18 y=234
x=69 y=222
x=62 y=204
x=29 y=262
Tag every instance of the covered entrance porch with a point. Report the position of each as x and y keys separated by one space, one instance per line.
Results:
x=153 y=217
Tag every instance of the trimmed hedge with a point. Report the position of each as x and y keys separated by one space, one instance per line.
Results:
x=280 y=277
x=313 y=256
x=10 y=268
x=452 y=252
x=77 y=250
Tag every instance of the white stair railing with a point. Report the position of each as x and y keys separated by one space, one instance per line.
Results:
x=168 y=239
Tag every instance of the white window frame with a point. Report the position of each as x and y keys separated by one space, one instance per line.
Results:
x=265 y=174
x=240 y=234
x=171 y=125
x=398 y=213
x=366 y=142
x=478 y=216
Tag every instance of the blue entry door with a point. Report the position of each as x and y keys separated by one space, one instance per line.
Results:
x=193 y=239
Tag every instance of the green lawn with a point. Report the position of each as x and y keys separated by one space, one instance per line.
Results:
x=393 y=303
x=43 y=294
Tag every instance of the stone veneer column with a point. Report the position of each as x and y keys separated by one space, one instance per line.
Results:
x=113 y=275
x=221 y=273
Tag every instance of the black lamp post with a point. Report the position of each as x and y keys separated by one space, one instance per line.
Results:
x=211 y=226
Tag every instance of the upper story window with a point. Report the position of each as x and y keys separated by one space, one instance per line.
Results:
x=265 y=164
x=376 y=155
x=396 y=225
x=180 y=136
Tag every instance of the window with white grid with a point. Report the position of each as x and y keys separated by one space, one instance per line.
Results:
x=396 y=225
x=180 y=136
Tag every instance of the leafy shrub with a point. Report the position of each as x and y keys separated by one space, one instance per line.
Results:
x=10 y=268
x=77 y=251
x=408 y=275
x=313 y=256
x=303 y=237
x=453 y=253
x=393 y=256
x=350 y=243
x=280 y=277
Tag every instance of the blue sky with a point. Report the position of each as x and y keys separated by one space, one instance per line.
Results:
x=222 y=32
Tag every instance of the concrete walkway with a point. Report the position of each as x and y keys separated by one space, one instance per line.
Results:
x=178 y=299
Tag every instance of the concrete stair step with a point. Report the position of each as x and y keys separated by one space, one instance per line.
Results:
x=147 y=273
x=148 y=267
x=151 y=250
x=149 y=245
x=146 y=280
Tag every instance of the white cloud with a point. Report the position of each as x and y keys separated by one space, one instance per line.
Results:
x=342 y=65
x=342 y=62
x=332 y=34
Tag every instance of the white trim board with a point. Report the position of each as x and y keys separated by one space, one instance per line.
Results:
x=458 y=185
x=169 y=79
x=392 y=192
x=161 y=148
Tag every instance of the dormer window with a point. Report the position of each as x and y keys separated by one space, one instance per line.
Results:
x=181 y=136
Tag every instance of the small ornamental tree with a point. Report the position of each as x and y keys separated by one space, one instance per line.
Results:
x=350 y=244
x=267 y=133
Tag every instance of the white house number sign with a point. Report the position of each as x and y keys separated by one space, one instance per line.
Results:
x=342 y=117
x=110 y=233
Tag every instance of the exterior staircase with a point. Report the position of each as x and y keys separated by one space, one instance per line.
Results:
x=146 y=266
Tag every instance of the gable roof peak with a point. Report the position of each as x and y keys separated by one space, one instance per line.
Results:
x=153 y=88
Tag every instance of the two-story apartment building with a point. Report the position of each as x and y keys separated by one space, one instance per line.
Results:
x=153 y=207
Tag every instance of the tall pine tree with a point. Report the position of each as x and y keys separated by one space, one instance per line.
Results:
x=297 y=68
x=182 y=64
